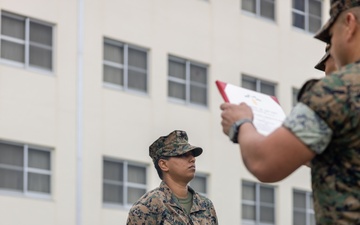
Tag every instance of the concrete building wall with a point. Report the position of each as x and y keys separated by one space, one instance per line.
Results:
x=41 y=109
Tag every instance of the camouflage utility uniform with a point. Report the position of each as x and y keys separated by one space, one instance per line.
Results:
x=327 y=120
x=159 y=207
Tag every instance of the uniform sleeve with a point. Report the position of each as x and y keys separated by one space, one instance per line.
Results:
x=140 y=215
x=323 y=114
x=313 y=131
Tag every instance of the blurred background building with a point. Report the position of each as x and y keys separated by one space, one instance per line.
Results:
x=86 y=86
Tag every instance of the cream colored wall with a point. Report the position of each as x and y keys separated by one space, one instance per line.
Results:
x=41 y=109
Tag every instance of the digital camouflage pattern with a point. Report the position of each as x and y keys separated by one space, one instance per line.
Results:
x=176 y=143
x=336 y=171
x=159 y=207
x=336 y=7
x=306 y=87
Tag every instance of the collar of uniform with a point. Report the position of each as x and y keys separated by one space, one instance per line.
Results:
x=168 y=194
x=199 y=202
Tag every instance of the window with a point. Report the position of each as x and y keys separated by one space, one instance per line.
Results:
x=306 y=14
x=261 y=8
x=123 y=182
x=25 y=168
x=303 y=208
x=187 y=81
x=125 y=66
x=199 y=184
x=295 y=92
x=26 y=42
x=258 y=203
x=258 y=85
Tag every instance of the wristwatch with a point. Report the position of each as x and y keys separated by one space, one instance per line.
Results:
x=234 y=129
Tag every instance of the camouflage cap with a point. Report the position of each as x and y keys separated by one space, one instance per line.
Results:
x=337 y=7
x=321 y=64
x=174 y=144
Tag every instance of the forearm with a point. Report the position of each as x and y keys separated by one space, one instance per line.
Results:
x=269 y=158
x=250 y=148
x=272 y=158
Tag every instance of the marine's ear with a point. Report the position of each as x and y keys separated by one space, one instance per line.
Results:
x=351 y=23
x=163 y=164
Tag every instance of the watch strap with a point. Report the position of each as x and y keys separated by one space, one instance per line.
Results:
x=236 y=126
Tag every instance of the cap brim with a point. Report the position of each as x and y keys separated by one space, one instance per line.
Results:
x=323 y=33
x=321 y=64
x=196 y=150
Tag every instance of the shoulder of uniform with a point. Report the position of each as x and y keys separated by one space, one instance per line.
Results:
x=202 y=200
x=151 y=200
x=306 y=87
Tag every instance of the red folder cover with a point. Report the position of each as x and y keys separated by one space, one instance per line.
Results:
x=221 y=86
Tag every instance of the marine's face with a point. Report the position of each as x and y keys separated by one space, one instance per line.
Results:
x=182 y=167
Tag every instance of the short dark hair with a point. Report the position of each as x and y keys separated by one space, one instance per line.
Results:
x=157 y=167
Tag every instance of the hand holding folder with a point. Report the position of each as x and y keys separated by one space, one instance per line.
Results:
x=268 y=114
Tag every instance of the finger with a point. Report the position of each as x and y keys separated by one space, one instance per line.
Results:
x=223 y=115
x=224 y=131
x=224 y=106
x=223 y=124
x=224 y=127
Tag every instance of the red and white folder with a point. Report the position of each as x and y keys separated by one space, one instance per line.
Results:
x=268 y=114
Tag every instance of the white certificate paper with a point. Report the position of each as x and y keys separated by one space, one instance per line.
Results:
x=268 y=114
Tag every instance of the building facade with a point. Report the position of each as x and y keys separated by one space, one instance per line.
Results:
x=86 y=86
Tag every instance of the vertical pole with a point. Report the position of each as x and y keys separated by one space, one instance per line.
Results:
x=79 y=117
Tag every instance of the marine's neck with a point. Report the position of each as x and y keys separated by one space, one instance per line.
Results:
x=180 y=189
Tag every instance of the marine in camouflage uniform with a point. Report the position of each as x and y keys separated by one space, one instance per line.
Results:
x=327 y=120
x=336 y=100
x=323 y=127
x=161 y=205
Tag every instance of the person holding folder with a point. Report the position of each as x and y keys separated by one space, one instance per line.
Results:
x=324 y=127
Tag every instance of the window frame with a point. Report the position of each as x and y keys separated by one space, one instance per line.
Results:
x=125 y=66
x=27 y=44
x=206 y=177
x=125 y=183
x=258 y=83
x=258 y=10
x=307 y=210
x=307 y=15
x=26 y=170
x=187 y=81
x=257 y=204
